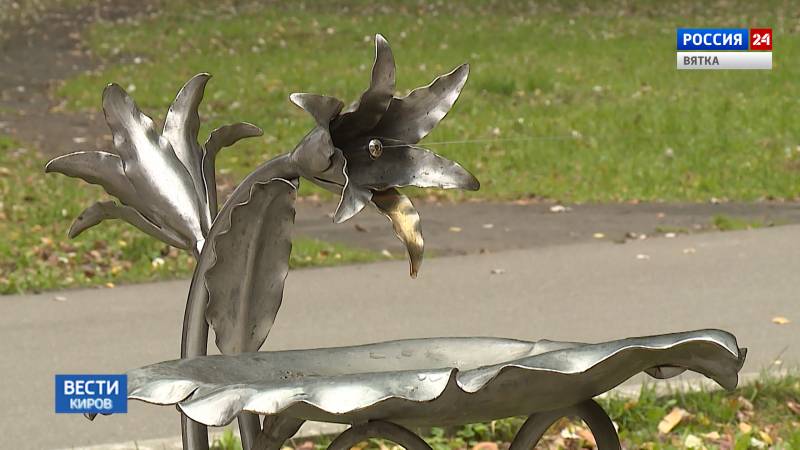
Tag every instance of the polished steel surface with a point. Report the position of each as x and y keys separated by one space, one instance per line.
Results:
x=435 y=381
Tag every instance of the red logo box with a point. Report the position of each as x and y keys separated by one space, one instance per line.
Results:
x=760 y=38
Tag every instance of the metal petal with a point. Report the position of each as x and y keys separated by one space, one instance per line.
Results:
x=354 y=198
x=181 y=126
x=407 y=165
x=101 y=168
x=101 y=211
x=165 y=188
x=321 y=107
x=364 y=114
x=245 y=284
x=404 y=217
x=454 y=380
x=411 y=118
x=313 y=154
x=224 y=136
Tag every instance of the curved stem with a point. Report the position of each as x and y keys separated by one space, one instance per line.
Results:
x=194 y=339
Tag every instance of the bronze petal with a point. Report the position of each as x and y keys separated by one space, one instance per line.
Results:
x=398 y=208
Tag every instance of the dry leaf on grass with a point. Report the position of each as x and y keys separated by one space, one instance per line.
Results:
x=692 y=441
x=672 y=420
x=780 y=320
x=793 y=406
x=745 y=427
x=485 y=446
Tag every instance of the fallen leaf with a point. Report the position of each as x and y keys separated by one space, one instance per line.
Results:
x=568 y=432
x=793 y=406
x=713 y=435
x=689 y=251
x=779 y=320
x=455 y=229
x=60 y=298
x=485 y=446
x=670 y=236
x=598 y=235
x=745 y=427
x=671 y=420
x=361 y=228
x=559 y=209
x=642 y=256
x=744 y=403
x=307 y=445
x=692 y=441
x=587 y=436
x=386 y=253
x=765 y=437
x=488 y=226
x=498 y=271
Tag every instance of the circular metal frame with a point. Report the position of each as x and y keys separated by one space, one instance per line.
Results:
x=378 y=429
x=595 y=417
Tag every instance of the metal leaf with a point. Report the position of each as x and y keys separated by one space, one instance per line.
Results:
x=245 y=284
x=364 y=114
x=407 y=165
x=224 y=136
x=411 y=118
x=101 y=168
x=404 y=217
x=181 y=126
x=101 y=211
x=165 y=187
x=454 y=380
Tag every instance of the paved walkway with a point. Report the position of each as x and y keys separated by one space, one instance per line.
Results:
x=589 y=291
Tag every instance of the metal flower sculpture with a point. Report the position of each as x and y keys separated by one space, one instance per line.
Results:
x=373 y=147
x=165 y=182
x=166 y=187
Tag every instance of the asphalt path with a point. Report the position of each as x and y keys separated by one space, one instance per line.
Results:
x=589 y=291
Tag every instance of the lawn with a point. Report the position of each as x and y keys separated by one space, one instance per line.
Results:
x=35 y=253
x=579 y=101
x=760 y=414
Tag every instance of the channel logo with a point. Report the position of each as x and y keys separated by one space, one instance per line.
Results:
x=91 y=394
x=724 y=48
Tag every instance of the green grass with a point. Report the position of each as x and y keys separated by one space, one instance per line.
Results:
x=592 y=86
x=762 y=405
x=35 y=253
x=728 y=223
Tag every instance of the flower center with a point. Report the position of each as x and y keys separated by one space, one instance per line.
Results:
x=375 y=148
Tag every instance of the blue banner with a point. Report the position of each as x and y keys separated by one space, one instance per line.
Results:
x=101 y=394
x=712 y=39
